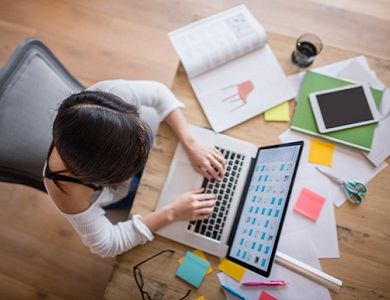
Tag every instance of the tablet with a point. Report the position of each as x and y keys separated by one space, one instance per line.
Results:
x=343 y=108
x=258 y=224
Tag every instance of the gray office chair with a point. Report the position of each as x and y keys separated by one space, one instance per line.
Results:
x=32 y=84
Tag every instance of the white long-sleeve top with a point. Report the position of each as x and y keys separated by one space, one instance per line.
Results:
x=95 y=229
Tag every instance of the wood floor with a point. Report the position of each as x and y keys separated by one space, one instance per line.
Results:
x=41 y=257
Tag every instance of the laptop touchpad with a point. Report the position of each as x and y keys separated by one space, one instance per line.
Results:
x=187 y=179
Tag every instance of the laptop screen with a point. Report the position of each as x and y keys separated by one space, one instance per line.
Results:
x=257 y=227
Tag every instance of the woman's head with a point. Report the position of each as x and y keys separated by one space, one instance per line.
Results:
x=100 y=138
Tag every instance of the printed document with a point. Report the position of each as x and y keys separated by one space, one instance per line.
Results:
x=231 y=67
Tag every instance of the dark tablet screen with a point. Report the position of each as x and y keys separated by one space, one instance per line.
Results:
x=344 y=107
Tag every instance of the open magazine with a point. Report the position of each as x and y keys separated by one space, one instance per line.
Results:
x=231 y=67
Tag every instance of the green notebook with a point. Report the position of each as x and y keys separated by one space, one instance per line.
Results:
x=304 y=121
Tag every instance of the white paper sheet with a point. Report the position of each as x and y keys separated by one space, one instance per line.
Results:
x=298 y=245
x=381 y=144
x=271 y=88
x=323 y=231
x=356 y=71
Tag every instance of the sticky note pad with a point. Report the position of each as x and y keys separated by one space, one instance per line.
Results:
x=192 y=269
x=309 y=204
x=321 y=152
x=278 y=113
x=266 y=296
x=232 y=269
x=201 y=255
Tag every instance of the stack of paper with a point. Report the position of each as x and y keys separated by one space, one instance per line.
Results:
x=304 y=121
x=357 y=70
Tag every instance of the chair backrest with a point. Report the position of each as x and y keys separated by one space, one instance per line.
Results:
x=32 y=84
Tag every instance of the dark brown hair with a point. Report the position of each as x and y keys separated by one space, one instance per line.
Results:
x=100 y=138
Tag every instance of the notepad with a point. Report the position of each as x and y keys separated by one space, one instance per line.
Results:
x=309 y=204
x=321 y=152
x=279 y=113
x=192 y=269
x=201 y=255
x=232 y=269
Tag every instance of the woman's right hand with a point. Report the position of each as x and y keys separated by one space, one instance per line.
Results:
x=193 y=205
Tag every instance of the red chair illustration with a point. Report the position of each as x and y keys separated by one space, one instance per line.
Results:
x=243 y=90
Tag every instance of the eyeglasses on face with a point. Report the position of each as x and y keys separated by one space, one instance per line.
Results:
x=140 y=281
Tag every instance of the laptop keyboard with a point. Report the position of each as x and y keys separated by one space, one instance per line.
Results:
x=212 y=227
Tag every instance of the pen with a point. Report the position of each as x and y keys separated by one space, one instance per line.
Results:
x=233 y=292
x=269 y=283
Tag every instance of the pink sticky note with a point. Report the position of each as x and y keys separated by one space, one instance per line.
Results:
x=309 y=204
x=266 y=296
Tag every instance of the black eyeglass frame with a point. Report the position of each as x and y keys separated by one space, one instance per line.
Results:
x=138 y=275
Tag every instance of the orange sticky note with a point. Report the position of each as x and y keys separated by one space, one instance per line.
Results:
x=202 y=256
x=321 y=152
x=266 y=296
x=309 y=204
x=232 y=269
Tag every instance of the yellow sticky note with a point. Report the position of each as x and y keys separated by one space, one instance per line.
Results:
x=278 y=113
x=233 y=270
x=200 y=298
x=202 y=256
x=321 y=152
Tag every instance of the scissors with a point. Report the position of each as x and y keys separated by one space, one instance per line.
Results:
x=353 y=189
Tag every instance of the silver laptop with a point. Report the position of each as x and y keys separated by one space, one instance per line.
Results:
x=251 y=200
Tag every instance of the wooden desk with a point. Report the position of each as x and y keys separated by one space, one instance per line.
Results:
x=363 y=235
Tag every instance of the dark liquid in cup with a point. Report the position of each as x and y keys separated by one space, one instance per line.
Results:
x=304 y=54
x=307 y=49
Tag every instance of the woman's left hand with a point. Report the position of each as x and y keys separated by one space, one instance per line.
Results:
x=207 y=160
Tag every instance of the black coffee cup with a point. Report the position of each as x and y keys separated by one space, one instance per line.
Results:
x=306 y=48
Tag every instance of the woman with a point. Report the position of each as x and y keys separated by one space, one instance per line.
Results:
x=100 y=143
